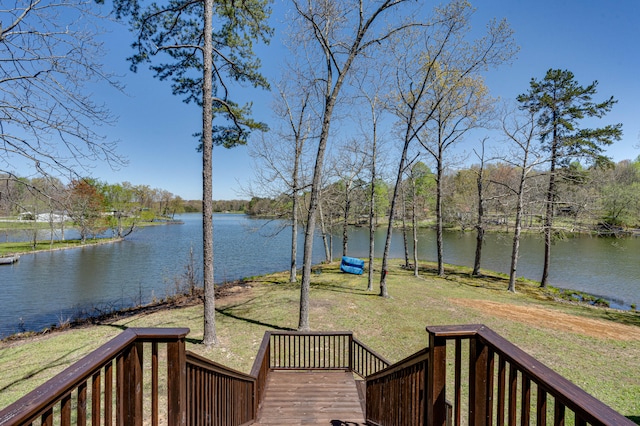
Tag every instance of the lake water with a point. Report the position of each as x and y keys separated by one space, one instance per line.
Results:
x=46 y=288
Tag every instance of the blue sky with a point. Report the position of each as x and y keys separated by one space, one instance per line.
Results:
x=596 y=40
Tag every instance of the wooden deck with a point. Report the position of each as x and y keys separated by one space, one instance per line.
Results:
x=311 y=398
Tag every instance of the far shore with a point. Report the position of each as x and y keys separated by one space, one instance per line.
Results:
x=23 y=248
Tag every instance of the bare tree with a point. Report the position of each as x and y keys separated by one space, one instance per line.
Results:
x=521 y=131
x=49 y=59
x=350 y=162
x=480 y=185
x=334 y=34
x=464 y=103
x=422 y=63
x=280 y=155
x=371 y=88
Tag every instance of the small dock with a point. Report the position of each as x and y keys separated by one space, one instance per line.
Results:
x=311 y=398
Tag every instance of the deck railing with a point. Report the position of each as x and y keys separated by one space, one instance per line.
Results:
x=109 y=385
x=218 y=395
x=489 y=378
x=293 y=350
x=504 y=385
x=396 y=395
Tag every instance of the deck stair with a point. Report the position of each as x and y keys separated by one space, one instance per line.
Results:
x=146 y=376
x=311 y=398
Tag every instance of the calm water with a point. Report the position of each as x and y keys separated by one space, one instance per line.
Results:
x=46 y=288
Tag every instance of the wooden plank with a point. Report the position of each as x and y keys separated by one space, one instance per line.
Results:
x=311 y=397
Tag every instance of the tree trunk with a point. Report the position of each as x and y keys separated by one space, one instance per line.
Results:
x=415 y=228
x=439 y=225
x=480 y=222
x=209 y=337
x=404 y=229
x=294 y=236
x=325 y=239
x=305 y=287
x=518 y=228
x=345 y=223
x=387 y=243
x=372 y=212
x=548 y=220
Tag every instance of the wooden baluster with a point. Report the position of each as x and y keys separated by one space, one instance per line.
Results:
x=132 y=386
x=513 y=392
x=525 y=401
x=541 y=408
x=458 y=382
x=154 y=384
x=478 y=362
x=95 y=398
x=47 y=418
x=490 y=384
x=436 y=379
x=176 y=382
x=558 y=413
x=108 y=393
x=65 y=410
x=120 y=390
x=501 y=390
x=81 y=407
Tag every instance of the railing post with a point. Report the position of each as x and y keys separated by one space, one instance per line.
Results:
x=177 y=382
x=350 y=352
x=436 y=409
x=132 y=386
x=478 y=376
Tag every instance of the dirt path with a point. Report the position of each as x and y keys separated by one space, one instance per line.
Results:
x=548 y=318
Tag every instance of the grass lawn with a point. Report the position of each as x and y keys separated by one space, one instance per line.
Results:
x=596 y=348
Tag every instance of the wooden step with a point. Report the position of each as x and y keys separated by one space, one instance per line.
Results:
x=311 y=398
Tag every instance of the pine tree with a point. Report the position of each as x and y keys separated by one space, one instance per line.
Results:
x=560 y=104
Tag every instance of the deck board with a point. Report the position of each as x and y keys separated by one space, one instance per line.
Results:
x=311 y=398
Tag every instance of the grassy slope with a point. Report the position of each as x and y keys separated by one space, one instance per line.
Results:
x=393 y=327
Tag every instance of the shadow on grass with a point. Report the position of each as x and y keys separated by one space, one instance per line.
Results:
x=228 y=312
x=635 y=419
x=57 y=362
x=341 y=289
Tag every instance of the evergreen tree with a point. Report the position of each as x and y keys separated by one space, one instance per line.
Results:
x=207 y=45
x=560 y=104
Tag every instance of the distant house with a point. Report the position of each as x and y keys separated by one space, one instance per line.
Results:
x=45 y=217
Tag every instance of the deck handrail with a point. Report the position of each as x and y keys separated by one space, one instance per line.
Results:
x=124 y=352
x=261 y=369
x=412 y=391
x=233 y=406
x=514 y=396
x=396 y=394
x=365 y=361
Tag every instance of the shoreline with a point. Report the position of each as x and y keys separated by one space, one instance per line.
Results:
x=554 y=294
x=174 y=302
x=71 y=245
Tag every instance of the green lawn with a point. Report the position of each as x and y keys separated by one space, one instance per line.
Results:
x=394 y=327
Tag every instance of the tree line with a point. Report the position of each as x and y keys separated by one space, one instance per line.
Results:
x=547 y=172
x=91 y=206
